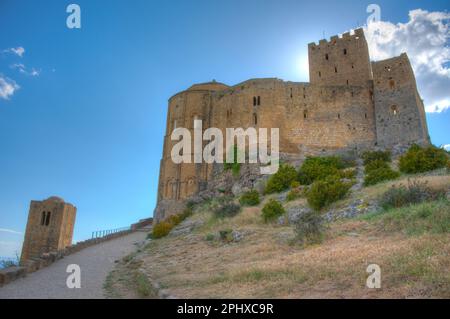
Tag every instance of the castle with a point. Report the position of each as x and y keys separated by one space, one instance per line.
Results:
x=350 y=103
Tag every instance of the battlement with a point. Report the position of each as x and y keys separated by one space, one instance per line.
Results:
x=355 y=35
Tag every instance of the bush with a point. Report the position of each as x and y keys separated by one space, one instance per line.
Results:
x=226 y=235
x=371 y=156
x=379 y=175
x=419 y=159
x=227 y=210
x=348 y=173
x=281 y=180
x=413 y=193
x=250 y=198
x=309 y=228
x=319 y=168
x=295 y=184
x=209 y=237
x=272 y=210
x=161 y=229
x=375 y=164
x=324 y=192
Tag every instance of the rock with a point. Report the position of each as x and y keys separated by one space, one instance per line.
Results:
x=282 y=196
x=186 y=227
x=237 y=189
x=237 y=236
x=294 y=213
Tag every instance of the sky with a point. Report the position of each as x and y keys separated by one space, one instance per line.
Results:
x=83 y=111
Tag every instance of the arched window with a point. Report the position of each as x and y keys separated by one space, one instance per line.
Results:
x=47 y=219
x=254 y=101
x=259 y=100
x=394 y=109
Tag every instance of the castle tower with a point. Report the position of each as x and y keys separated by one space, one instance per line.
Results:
x=399 y=109
x=340 y=61
x=49 y=227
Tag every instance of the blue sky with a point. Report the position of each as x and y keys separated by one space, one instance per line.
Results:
x=85 y=114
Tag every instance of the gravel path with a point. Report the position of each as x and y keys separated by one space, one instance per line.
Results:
x=95 y=263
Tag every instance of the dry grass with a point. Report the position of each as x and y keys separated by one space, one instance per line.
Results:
x=265 y=265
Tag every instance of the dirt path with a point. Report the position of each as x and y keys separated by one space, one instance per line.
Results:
x=95 y=263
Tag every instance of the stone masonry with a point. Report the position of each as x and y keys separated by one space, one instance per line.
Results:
x=350 y=103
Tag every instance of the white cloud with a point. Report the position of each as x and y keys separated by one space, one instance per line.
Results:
x=425 y=38
x=23 y=69
x=7 y=88
x=19 y=51
x=10 y=231
x=446 y=147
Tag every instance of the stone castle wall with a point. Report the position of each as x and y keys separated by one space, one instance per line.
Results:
x=350 y=104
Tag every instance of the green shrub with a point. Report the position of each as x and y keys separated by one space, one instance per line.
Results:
x=250 y=198
x=309 y=228
x=209 y=237
x=319 y=168
x=324 y=192
x=419 y=159
x=375 y=164
x=413 y=193
x=371 y=156
x=348 y=173
x=380 y=175
x=226 y=235
x=227 y=210
x=272 y=210
x=281 y=180
x=294 y=194
x=161 y=229
x=295 y=184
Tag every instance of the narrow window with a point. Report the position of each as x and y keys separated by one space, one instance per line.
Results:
x=345 y=51
x=335 y=69
x=305 y=114
x=43 y=218
x=353 y=66
x=320 y=74
x=394 y=109
x=291 y=93
x=339 y=116
x=259 y=100
x=304 y=96
x=365 y=115
x=392 y=84
x=326 y=56
x=347 y=82
x=254 y=100
x=255 y=119
x=47 y=219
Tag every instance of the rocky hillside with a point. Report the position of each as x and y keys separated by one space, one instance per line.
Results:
x=279 y=246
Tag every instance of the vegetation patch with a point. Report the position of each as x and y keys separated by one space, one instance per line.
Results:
x=413 y=193
x=227 y=210
x=319 y=168
x=281 y=180
x=423 y=159
x=370 y=156
x=250 y=198
x=427 y=217
x=164 y=227
x=379 y=175
x=324 y=192
x=272 y=210
x=309 y=228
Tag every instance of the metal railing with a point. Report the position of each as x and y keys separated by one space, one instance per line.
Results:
x=106 y=232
